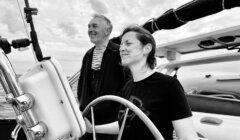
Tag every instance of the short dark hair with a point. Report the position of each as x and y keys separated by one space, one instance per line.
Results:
x=144 y=37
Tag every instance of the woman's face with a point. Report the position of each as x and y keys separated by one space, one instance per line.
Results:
x=131 y=49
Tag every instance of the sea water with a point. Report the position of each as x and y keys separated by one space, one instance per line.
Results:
x=6 y=110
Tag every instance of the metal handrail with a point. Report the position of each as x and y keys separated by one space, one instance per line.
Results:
x=10 y=84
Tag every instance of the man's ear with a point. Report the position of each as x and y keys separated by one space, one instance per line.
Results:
x=107 y=31
x=147 y=48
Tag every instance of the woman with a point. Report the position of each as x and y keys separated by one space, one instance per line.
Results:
x=159 y=96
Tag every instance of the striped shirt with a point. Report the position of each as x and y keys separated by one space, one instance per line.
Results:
x=97 y=57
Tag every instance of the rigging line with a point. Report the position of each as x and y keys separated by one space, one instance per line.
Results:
x=35 y=58
x=23 y=19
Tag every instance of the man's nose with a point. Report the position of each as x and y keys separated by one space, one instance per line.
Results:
x=90 y=28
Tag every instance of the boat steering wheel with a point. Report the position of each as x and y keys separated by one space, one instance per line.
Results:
x=128 y=106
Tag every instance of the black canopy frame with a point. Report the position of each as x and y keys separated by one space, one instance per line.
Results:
x=190 y=11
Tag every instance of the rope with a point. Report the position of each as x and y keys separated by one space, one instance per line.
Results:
x=223 y=4
x=178 y=17
x=22 y=18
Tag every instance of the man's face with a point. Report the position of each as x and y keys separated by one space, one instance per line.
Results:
x=97 y=30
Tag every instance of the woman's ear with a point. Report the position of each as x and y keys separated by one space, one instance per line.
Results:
x=147 y=48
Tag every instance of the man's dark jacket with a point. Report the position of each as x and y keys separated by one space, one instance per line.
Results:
x=111 y=81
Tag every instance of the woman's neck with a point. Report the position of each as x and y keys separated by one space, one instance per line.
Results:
x=141 y=72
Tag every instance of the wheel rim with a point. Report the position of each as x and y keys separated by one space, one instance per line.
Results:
x=128 y=105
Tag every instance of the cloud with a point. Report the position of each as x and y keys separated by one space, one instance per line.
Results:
x=10 y=18
x=68 y=28
x=126 y=12
x=66 y=21
x=99 y=7
x=14 y=24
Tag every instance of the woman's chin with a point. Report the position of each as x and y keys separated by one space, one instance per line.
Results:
x=124 y=63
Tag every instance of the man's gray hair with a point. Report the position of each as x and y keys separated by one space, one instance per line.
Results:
x=109 y=23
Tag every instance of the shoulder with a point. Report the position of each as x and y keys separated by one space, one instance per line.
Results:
x=164 y=77
x=113 y=46
x=166 y=80
x=88 y=53
x=172 y=84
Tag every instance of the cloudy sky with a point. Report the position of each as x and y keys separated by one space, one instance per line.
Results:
x=61 y=25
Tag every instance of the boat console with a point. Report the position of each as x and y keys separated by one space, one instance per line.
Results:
x=43 y=101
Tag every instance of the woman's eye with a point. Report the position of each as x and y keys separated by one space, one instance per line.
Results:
x=125 y=43
x=128 y=44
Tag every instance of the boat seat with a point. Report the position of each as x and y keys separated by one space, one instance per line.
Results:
x=202 y=103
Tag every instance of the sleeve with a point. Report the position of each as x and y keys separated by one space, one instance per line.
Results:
x=80 y=81
x=178 y=102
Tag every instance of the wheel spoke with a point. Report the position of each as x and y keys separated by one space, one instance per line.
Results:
x=123 y=124
x=153 y=129
x=93 y=124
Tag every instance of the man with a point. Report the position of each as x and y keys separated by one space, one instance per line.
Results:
x=101 y=73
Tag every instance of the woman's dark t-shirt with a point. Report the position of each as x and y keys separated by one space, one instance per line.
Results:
x=162 y=99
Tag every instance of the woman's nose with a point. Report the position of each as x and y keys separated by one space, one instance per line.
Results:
x=122 y=47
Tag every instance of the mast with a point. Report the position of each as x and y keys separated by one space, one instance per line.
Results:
x=34 y=39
